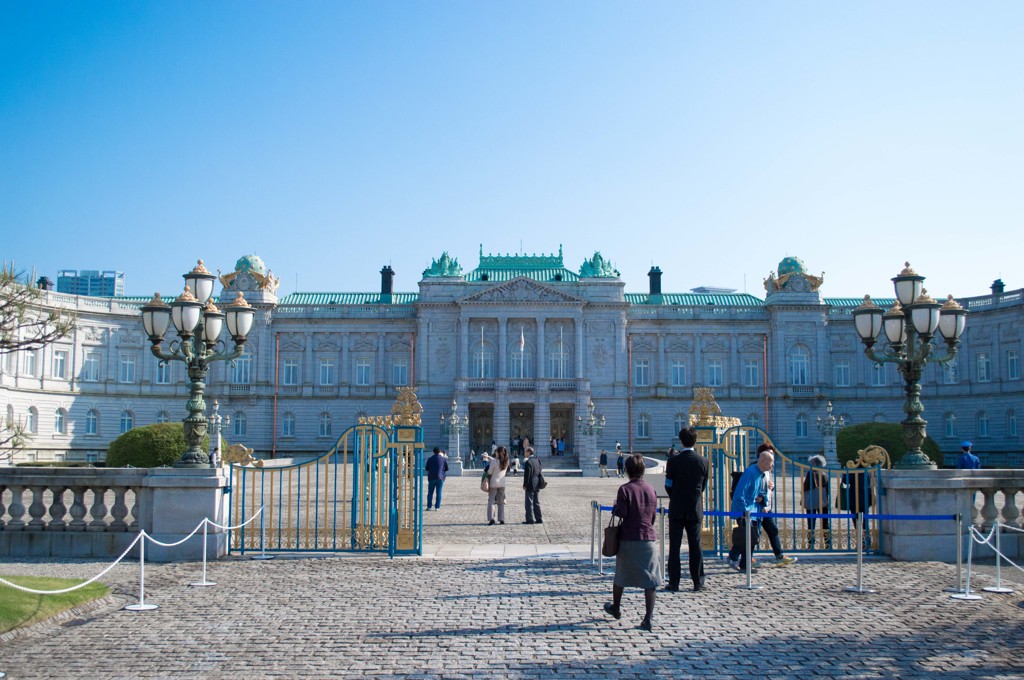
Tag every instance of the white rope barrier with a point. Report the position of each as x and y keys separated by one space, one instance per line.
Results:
x=237 y=526
x=997 y=549
x=176 y=543
x=80 y=585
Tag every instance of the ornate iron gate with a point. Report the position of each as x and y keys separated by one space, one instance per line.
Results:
x=733 y=449
x=361 y=495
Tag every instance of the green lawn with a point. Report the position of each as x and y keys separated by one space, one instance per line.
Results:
x=18 y=608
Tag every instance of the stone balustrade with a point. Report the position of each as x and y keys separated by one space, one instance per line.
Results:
x=97 y=512
x=981 y=497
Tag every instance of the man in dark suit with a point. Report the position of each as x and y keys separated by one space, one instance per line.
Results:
x=532 y=480
x=686 y=478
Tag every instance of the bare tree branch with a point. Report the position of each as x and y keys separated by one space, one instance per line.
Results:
x=24 y=323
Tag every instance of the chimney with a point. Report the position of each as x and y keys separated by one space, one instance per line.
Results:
x=44 y=283
x=998 y=287
x=387 y=281
x=655 y=276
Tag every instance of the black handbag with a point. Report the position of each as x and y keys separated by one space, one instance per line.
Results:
x=610 y=547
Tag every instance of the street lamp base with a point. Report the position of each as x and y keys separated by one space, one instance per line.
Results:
x=913 y=460
x=179 y=464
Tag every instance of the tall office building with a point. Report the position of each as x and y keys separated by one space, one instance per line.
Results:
x=91 y=282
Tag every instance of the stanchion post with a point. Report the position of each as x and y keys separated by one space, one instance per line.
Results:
x=967 y=594
x=748 y=553
x=958 y=518
x=600 y=541
x=662 y=512
x=859 y=588
x=204 y=582
x=998 y=587
x=593 y=531
x=141 y=605
x=263 y=541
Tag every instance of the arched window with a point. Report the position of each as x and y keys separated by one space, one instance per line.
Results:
x=949 y=425
x=239 y=424
x=982 y=424
x=801 y=425
x=127 y=420
x=1011 y=423
x=482 y=360
x=32 y=426
x=643 y=426
x=325 y=424
x=163 y=417
x=800 y=366
x=92 y=420
x=559 y=356
x=521 y=360
x=60 y=417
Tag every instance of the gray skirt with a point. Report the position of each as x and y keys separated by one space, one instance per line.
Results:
x=637 y=565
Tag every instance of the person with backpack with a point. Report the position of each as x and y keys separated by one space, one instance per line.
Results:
x=816 y=499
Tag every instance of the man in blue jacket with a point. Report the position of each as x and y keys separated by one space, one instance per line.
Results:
x=751 y=492
x=437 y=470
x=967 y=460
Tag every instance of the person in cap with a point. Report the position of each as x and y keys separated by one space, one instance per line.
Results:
x=967 y=460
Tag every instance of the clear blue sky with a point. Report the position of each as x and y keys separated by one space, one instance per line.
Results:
x=711 y=139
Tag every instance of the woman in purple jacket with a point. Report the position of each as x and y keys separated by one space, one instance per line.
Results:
x=636 y=564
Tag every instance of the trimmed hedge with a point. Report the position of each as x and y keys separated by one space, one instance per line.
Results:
x=887 y=435
x=150 y=446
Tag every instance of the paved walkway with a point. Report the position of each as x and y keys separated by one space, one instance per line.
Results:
x=509 y=615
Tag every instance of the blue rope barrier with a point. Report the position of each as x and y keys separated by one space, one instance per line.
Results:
x=912 y=517
x=806 y=515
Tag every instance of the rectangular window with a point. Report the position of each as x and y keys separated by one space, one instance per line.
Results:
x=400 y=372
x=751 y=373
x=91 y=367
x=60 y=364
x=290 y=371
x=1012 y=365
x=799 y=368
x=30 y=363
x=163 y=373
x=879 y=375
x=363 y=372
x=643 y=427
x=327 y=372
x=984 y=367
x=126 y=373
x=90 y=422
x=241 y=370
x=713 y=373
x=240 y=424
x=842 y=367
x=678 y=373
x=288 y=425
x=641 y=372
x=801 y=427
x=949 y=373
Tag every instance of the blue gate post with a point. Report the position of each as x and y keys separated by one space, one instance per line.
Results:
x=402 y=438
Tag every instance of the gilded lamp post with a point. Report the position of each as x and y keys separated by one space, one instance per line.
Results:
x=588 y=429
x=454 y=425
x=909 y=326
x=829 y=427
x=198 y=323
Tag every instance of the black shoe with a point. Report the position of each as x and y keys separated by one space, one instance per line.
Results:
x=491 y=523
x=528 y=522
x=501 y=522
x=697 y=587
x=428 y=508
x=646 y=624
x=612 y=610
x=540 y=521
x=671 y=588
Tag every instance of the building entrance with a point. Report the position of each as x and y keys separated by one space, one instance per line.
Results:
x=520 y=419
x=561 y=425
x=481 y=427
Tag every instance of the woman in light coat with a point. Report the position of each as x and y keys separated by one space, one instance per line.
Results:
x=496 y=485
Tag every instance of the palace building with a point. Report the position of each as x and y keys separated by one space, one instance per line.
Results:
x=523 y=344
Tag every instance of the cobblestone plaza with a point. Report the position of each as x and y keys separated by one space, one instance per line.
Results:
x=518 y=601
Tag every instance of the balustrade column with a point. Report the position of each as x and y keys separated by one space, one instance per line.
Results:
x=3 y=508
x=98 y=511
x=1010 y=510
x=119 y=510
x=58 y=510
x=77 y=509
x=989 y=513
x=37 y=509
x=16 y=510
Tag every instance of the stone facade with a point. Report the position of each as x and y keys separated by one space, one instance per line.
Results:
x=523 y=344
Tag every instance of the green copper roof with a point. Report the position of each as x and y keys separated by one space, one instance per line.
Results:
x=884 y=303
x=697 y=299
x=543 y=275
x=346 y=299
x=543 y=268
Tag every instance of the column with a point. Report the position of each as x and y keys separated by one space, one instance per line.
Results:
x=501 y=419
x=661 y=374
x=542 y=421
x=502 y=343
x=343 y=370
x=734 y=362
x=698 y=360
x=463 y=347
x=579 y=346
x=381 y=337
x=541 y=364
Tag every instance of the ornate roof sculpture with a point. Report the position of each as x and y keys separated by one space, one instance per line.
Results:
x=443 y=266
x=793 y=278
x=597 y=267
x=544 y=268
x=251 y=265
